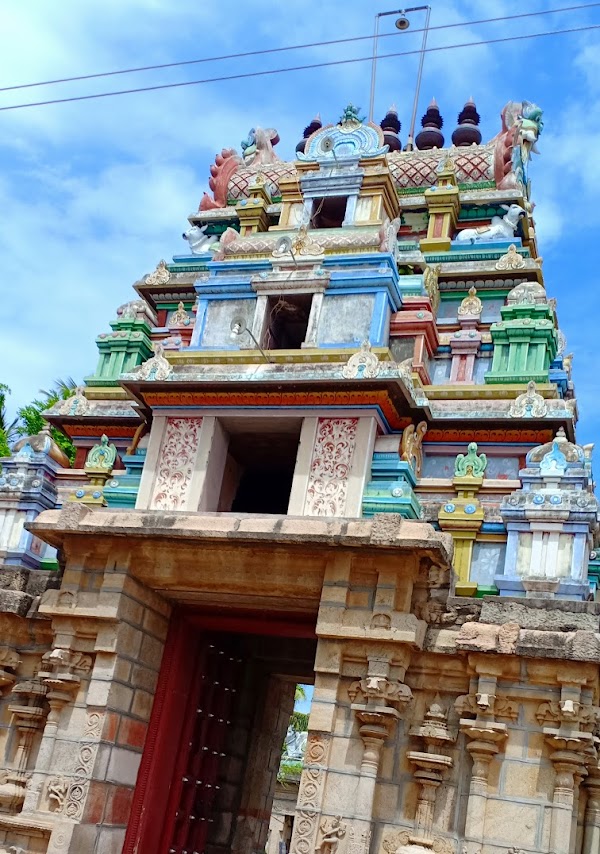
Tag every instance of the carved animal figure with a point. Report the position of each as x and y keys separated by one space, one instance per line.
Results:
x=199 y=241
x=258 y=147
x=500 y=228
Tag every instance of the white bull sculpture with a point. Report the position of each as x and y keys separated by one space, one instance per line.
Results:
x=199 y=241
x=500 y=228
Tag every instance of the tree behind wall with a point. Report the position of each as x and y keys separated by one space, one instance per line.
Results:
x=29 y=420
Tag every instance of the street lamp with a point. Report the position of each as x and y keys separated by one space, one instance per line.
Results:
x=402 y=23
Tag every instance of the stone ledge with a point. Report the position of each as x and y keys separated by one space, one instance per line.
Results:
x=542 y=614
x=27 y=824
x=385 y=530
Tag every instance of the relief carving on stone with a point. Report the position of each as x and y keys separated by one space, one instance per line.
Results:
x=381 y=689
x=309 y=795
x=176 y=463
x=363 y=363
x=80 y=782
x=359 y=841
x=401 y=842
x=56 y=791
x=530 y=404
x=333 y=452
x=411 y=446
x=333 y=830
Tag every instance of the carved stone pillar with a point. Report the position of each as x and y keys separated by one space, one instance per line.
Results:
x=571 y=742
x=591 y=833
x=377 y=710
x=60 y=681
x=486 y=738
x=28 y=710
x=430 y=765
x=568 y=761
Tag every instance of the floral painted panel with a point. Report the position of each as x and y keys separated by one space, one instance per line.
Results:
x=330 y=467
x=176 y=463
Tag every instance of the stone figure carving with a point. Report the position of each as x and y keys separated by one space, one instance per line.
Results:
x=56 y=790
x=530 y=404
x=160 y=276
x=199 y=241
x=363 y=364
x=225 y=165
x=102 y=457
x=471 y=463
x=333 y=830
x=257 y=148
x=500 y=228
x=388 y=235
x=411 y=450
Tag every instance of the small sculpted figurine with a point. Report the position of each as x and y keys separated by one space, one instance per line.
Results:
x=500 y=228
x=199 y=241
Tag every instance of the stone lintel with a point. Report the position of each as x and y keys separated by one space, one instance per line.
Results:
x=383 y=531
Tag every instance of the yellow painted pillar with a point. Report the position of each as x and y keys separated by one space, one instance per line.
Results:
x=443 y=205
x=463 y=515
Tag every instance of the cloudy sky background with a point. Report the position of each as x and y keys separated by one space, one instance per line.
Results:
x=94 y=193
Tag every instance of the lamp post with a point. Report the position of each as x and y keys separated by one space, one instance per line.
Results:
x=402 y=23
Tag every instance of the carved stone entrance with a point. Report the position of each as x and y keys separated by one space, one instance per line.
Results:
x=222 y=708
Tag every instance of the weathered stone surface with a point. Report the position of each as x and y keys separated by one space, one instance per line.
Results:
x=578 y=646
x=15 y=602
x=542 y=614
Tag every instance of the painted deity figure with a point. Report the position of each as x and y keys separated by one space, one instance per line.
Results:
x=351 y=115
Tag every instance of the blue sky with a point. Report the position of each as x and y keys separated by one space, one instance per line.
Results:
x=93 y=194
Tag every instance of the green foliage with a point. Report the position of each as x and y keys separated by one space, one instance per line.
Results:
x=30 y=420
x=300 y=693
x=299 y=721
x=8 y=434
x=289 y=770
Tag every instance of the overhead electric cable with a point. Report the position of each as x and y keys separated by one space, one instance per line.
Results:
x=268 y=72
x=271 y=50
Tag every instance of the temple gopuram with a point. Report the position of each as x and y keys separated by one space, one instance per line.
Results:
x=332 y=443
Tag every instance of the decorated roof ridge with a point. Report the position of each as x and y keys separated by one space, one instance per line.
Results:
x=41 y=443
x=574 y=455
x=503 y=160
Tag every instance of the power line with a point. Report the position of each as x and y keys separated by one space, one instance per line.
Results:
x=266 y=51
x=310 y=67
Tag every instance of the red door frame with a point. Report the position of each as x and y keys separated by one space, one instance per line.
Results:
x=154 y=788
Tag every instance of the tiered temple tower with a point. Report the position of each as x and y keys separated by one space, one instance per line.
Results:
x=333 y=441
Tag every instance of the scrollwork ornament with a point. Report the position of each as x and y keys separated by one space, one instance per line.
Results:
x=511 y=261
x=362 y=364
x=160 y=276
x=529 y=404
x=471 y=305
